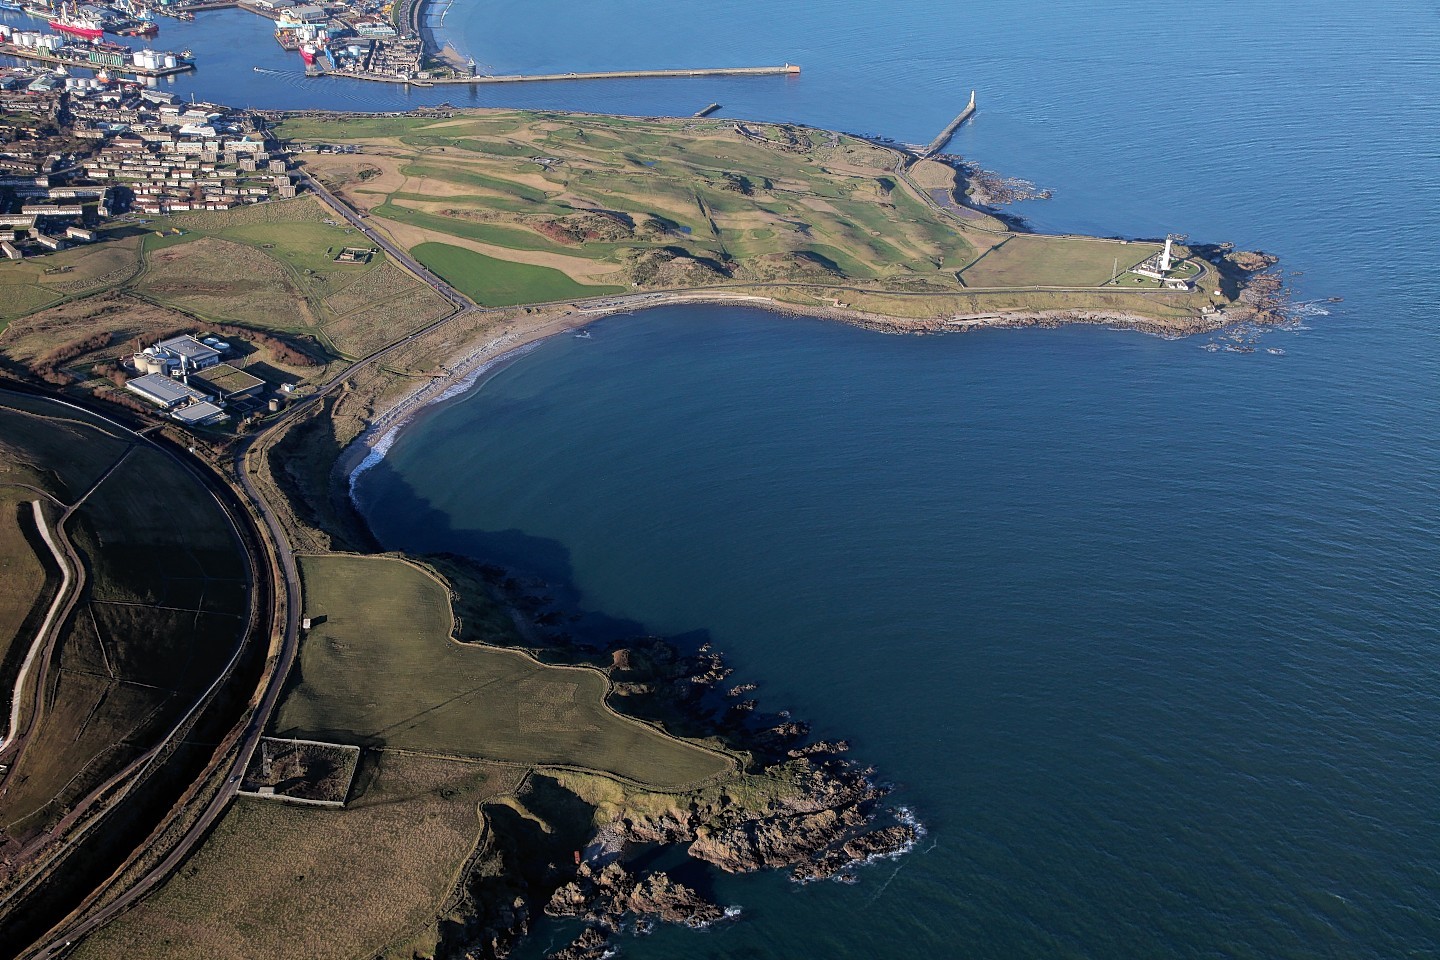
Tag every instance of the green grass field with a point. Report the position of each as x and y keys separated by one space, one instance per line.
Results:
x=36 y=283
x=382 y=670
x=502 y=283
x=272 y=266
x=699 y=203
x=1023 y=261
x=65 y=456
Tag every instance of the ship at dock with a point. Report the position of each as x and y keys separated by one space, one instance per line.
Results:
x=70 y=20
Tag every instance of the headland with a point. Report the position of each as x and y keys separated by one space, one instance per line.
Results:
x=277 y=335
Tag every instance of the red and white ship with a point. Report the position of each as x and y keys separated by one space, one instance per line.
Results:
x=308 y=52
x=77 y=24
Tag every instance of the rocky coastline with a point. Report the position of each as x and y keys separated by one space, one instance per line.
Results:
x=794 y=804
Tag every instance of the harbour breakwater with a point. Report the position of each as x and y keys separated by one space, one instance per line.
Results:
x=788 y=69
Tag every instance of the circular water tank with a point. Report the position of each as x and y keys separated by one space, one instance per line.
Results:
x=170 y=60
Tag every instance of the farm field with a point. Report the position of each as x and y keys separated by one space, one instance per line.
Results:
x=278 y=880
x=272 y=266
x=381 y=669
x=166 y=604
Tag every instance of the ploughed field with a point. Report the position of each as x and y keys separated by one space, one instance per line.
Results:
x=520 y=207
x=163 y=605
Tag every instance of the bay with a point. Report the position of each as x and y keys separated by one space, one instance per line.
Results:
x=1145 y=634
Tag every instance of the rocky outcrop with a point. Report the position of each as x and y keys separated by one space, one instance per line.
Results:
x=593 y=944
x=606 y=898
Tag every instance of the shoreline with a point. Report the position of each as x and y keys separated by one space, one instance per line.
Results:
x=466 y=370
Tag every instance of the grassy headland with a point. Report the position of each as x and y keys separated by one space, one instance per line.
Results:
x=381 y=668
x=548 y=220
x=523 y=206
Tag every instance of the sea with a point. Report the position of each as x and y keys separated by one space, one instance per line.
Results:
x=1144 y=631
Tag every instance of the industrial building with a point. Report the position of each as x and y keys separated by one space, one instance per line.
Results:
x=227 y=384
x=165 y=392
x=195 y=354
x=199 y=414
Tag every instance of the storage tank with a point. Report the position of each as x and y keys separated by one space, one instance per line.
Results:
x=149 y=363
x=171 y=60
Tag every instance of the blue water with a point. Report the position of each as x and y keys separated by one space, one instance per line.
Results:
x=1147 y=634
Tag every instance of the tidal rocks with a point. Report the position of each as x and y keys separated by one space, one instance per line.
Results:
x=592 y=944
x=608 y=897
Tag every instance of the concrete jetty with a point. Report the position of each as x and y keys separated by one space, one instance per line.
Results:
x=939 y=142
x=788 y=69
x=707 y=111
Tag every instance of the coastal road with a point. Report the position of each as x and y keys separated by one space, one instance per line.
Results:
x=456 y=298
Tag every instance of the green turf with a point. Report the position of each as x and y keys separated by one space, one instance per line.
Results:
x=500 y=283
x=381 y=669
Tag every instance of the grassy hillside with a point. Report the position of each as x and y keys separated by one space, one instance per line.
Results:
x=381 y=669
x=276 y=880
x=166 y=604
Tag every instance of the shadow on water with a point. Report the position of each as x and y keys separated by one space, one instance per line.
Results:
x=538 y=572
x=536 y=576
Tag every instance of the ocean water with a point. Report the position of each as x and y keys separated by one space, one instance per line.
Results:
x=1145 y=634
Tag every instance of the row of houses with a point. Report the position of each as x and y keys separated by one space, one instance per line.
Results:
x=176 y=176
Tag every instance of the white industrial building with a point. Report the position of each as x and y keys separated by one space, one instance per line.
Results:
x=178 y=355
x=165 y=392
